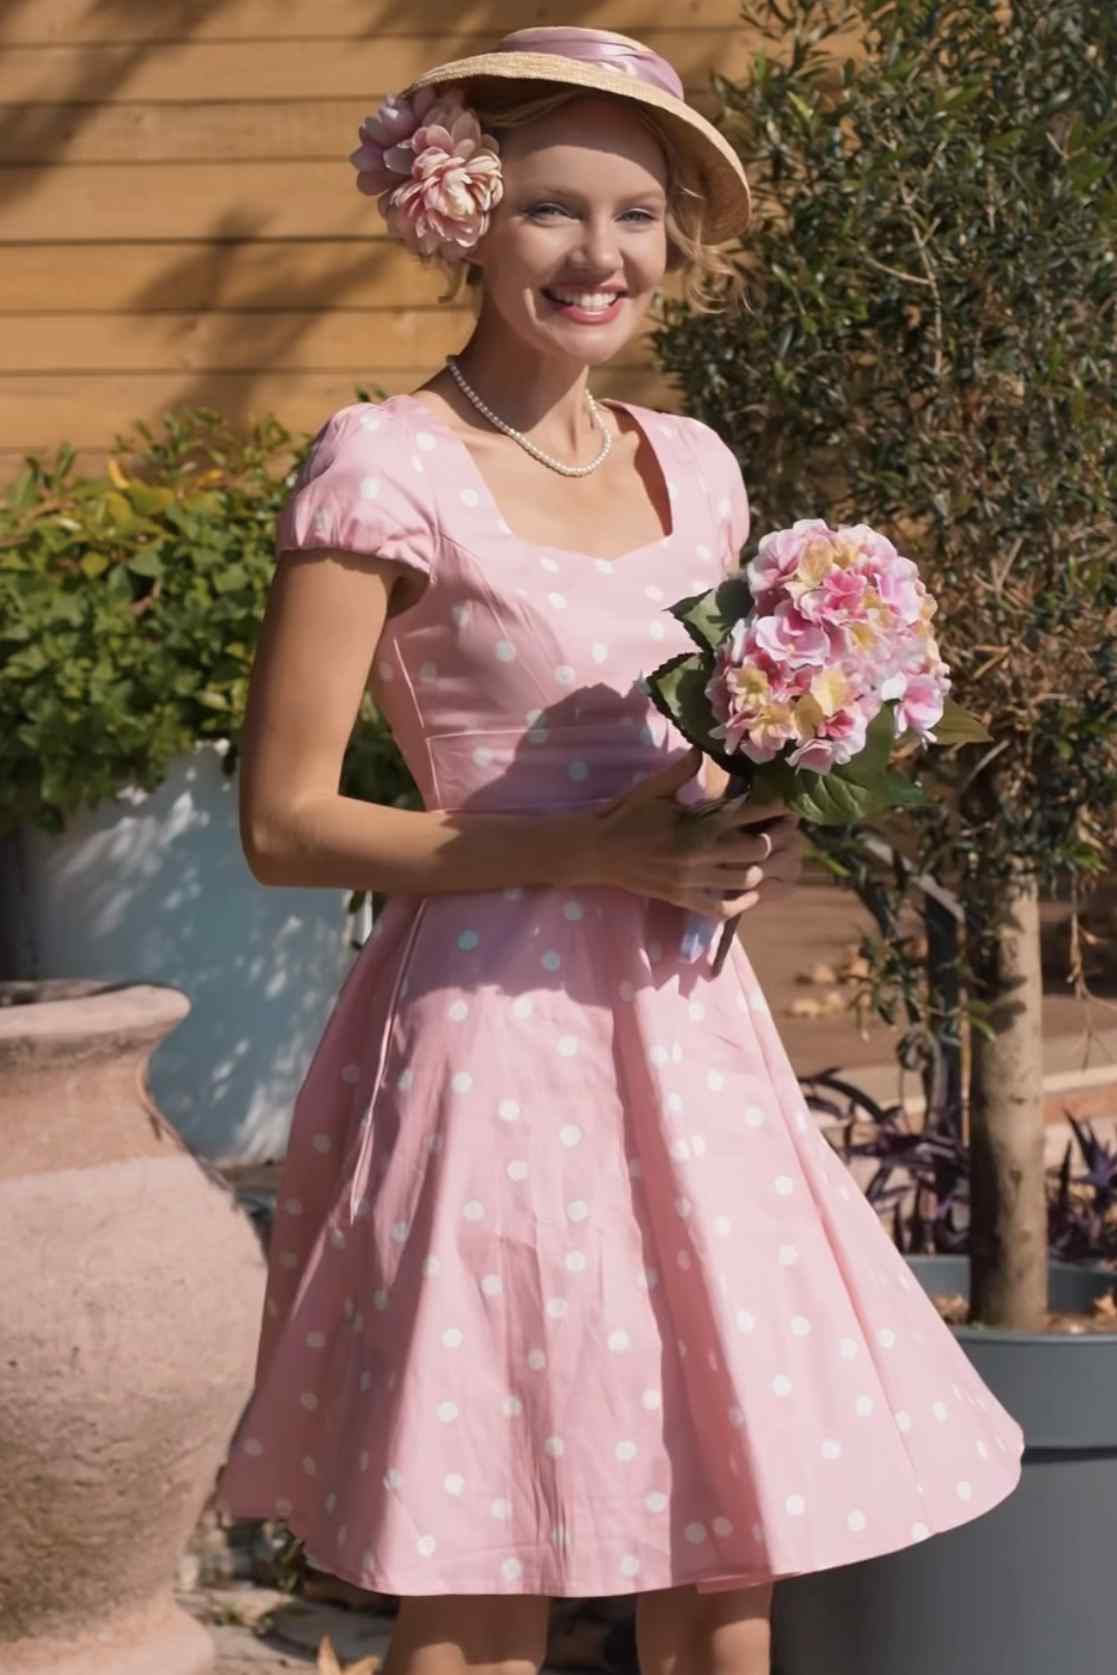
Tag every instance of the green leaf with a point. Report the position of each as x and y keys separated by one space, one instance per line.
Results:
x=871 y=764
x=903 y=792
x=708 y=617
x=146 y=563
x=233 y=576
x=832 y=800
x=94 y=565
x=958 y=726
x=148 y=499
x=677 y=688
x=117 y=509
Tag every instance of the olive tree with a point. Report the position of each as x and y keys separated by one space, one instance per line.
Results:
x=930 y=348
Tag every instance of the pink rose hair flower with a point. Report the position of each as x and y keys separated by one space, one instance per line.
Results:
x=436 y=176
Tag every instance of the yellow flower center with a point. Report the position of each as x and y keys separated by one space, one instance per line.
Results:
x=809 y=716
x=830 y=690
x=815 y=565
x=751 y=686
x=845 y=555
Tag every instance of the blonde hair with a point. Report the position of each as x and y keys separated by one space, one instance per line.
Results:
x=712 y=282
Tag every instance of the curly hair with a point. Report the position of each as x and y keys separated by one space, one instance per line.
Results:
x=712 y=282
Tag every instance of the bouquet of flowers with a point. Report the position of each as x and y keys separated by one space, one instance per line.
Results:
x=816 y=663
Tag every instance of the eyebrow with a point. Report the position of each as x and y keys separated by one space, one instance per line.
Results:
x=546 y=189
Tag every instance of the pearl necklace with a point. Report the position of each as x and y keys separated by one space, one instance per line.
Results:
x=518 y=435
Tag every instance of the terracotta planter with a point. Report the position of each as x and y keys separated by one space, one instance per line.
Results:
x=130 y=1307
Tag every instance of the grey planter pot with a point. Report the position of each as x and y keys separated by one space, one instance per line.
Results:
x=1028 y=1587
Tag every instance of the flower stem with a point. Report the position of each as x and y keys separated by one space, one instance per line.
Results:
x=738 y=786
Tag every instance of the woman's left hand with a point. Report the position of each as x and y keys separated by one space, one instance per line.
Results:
x=781 y=872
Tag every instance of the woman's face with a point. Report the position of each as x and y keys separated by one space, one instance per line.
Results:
x=585 y=195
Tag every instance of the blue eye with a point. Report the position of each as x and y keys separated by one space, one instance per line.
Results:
x=541 y=209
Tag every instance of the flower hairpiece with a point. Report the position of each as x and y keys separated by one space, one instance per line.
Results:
x=435 y=174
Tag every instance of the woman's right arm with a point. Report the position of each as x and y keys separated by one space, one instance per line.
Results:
x=325 y=614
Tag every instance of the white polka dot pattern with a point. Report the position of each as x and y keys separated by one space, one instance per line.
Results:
x=554 y=1229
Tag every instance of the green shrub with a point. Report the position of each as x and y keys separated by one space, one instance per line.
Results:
x=129 y=609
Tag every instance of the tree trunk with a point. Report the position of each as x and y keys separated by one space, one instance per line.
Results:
x=1008 y=1184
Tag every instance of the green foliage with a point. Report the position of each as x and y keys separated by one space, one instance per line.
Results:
x=932 y=349
x=130 y=605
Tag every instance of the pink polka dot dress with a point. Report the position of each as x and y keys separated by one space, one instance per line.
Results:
x=567 y=1294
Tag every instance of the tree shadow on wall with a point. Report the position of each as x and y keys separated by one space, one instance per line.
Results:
x=204 y=277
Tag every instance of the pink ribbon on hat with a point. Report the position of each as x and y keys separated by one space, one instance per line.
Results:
x=594 y=47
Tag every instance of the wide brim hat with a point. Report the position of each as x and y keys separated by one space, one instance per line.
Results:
x=626 y=68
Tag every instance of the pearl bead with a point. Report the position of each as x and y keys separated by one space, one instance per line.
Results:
x=518 y=436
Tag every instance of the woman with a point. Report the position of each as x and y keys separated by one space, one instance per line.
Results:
x=567 y=1296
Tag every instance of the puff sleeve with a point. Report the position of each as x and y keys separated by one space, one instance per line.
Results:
x=725 y=486
x=732 y=502
x=358 y=490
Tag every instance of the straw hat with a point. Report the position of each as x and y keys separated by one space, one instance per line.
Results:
x=601 y=61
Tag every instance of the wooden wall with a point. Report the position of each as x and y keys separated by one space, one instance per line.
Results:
x=179 y=222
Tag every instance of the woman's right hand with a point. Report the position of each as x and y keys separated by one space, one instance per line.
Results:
x=713 y=863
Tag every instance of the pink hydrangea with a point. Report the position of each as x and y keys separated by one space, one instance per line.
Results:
x=837 y=738
x=840 y=625
x=436 y=175
x=779 y=554
x=789 y=639
x=920 y=706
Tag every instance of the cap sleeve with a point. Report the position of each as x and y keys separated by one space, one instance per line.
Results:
x=725 y=486
x=732 y=500
x=358 y=491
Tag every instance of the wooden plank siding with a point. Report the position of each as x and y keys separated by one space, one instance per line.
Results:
x=94 y=22
x=178 y=221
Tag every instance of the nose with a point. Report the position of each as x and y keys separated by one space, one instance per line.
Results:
x=601 y=257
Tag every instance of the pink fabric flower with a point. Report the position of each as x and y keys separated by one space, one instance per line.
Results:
x=786 y=637
x=840 y=737
x=840 y=625
x=898 y=585
x=389 y=130
x=436 y=175
x=920 y=709
x=838 y=600
x=778 y=554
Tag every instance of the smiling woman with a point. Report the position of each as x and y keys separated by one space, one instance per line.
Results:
x=710 y=279
x=566 y=1295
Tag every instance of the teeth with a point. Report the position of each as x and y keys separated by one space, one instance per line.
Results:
x=586 y=299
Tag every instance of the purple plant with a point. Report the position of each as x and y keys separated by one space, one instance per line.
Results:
x=1082 y=1224
x=933 y=1170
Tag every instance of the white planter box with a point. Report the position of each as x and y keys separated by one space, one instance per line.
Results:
x=154 y=887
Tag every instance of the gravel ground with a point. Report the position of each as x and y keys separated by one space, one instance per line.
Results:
x=259 y=1631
